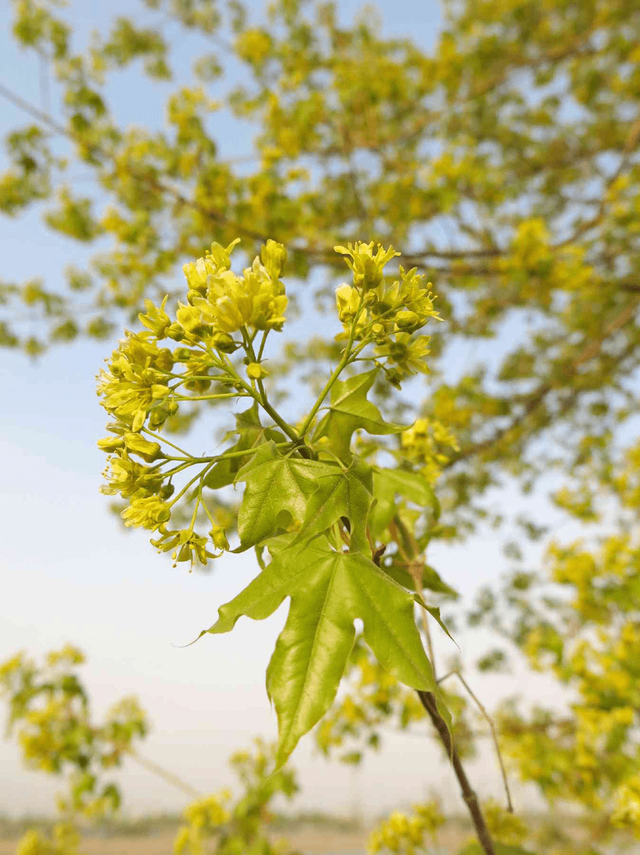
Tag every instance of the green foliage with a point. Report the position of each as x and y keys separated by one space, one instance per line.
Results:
x=307 y=496
x=328 y=591
x=349 y=410
x=50 y=707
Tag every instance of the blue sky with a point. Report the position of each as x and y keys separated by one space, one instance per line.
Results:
x=70 y=573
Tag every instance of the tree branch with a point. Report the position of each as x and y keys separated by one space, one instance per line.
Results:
x=537 y=398
x=428 y=701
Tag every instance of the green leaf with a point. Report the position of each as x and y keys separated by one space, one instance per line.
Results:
x=251 y=434
x=431 y=579
x=474 y=848
x=341 y=493
x=349 y=411
x=275 y=484
x=328 y=591
x=434 y=611
x=411 y=485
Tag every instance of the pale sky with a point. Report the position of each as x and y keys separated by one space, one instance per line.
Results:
x=70 y=573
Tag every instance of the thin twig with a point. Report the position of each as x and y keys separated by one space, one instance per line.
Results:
x=165 y=774
x=494 y=735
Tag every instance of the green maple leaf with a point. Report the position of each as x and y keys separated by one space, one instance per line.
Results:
x=411 y=485
x=329 y=590
x=341 y=493
x=349 y=410
x=431 y=579
x=251 y=434
x=277 y=490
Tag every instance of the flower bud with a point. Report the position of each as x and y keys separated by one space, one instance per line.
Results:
x=111 y=444
x=196 y=275
x=182 y=354
x=347 y=302
x=407 y=320
x=219 y=537
x=224 y=343
x=159 y=390
x=175 y=332
x=255 y=371
x=136 y=444
x=164 y=359
x=189 y=318
x=274 y=258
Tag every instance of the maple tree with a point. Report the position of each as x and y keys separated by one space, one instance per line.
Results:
x=517 y=139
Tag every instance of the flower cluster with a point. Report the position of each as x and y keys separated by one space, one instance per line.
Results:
x=135 y=382
x=407 y=834
x=221 y=303
x=203 y=817
x=386 y=314
x=49 y=708
x=426 y=441
x=145 y=384
x=626 y=812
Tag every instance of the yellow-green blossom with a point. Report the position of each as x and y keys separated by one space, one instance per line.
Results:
x=149 y=512
x=367 y=261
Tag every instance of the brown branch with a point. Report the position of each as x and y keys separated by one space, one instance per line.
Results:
x=428 y=701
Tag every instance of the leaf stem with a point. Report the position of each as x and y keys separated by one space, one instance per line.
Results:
x=210 y=397
x=494 y=735
x=338 y=370
x=163 y=439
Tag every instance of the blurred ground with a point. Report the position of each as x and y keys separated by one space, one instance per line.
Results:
x=309 y=840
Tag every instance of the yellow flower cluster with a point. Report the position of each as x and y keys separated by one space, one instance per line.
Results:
x=626 y=810
x=504 y=826
x=65 y=841
x=407 y=834
x=49 y=708
x=386 y=314
x=427 y=441
x=226 y=303
x=203 y=817
x=135 y=382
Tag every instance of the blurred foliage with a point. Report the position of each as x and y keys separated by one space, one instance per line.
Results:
x=49 y=708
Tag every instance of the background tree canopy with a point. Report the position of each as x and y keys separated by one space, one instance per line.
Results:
x=505 y=161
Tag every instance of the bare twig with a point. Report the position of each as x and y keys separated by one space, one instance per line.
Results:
x=494 y=735
x=167 y=776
